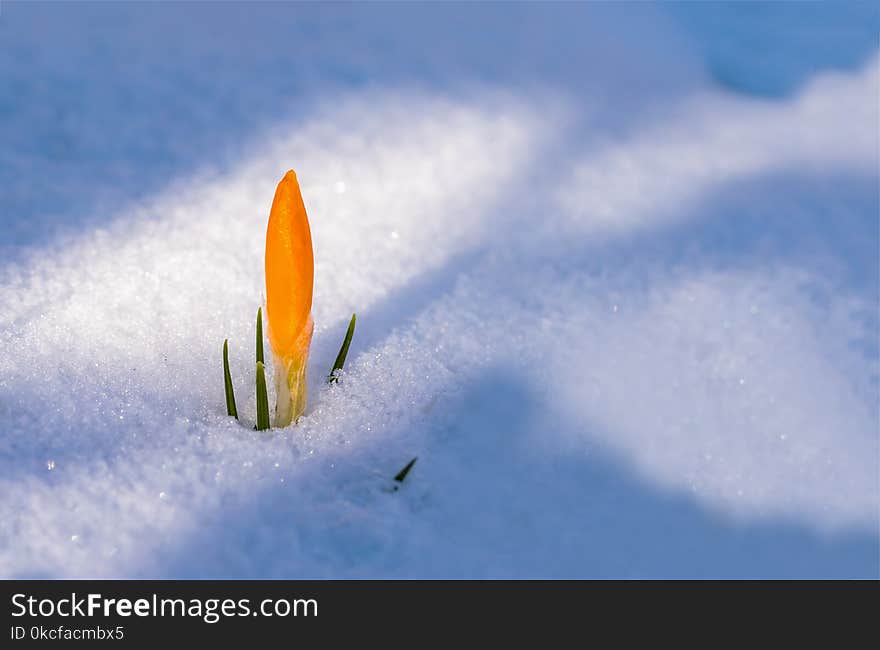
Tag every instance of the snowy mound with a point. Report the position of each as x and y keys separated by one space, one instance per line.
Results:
x=625 y=317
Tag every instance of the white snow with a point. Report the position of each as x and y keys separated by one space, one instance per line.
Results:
x=625 y=317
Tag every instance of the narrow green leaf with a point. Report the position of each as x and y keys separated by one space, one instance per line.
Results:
x=227 y=382
x=402 y=473
x=262 y=399
x=260 y=357
x=343 y=352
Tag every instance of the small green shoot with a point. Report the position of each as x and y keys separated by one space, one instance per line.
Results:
x=343 y=352
x=402 y=473
x=227 y=381
x=260 y=357
x=262 y=399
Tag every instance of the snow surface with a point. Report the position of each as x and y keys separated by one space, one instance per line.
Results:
x=616 y=290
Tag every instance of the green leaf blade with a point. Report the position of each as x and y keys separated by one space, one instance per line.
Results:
x=262 y=399
x=227 y=382
x=402 y=473
x=343 y=351
x=260 y=357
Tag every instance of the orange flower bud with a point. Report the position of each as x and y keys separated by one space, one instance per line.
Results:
x=290 y=271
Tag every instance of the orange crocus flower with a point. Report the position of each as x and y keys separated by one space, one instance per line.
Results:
x=290 y=271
